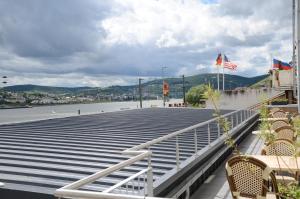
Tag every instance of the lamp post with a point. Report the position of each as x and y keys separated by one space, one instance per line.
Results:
x=162 y=75
x=4 y=81
x=140 y=92
x=183 y=89
x=212 y=82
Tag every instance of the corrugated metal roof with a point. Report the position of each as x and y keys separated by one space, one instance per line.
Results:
x=45 y=155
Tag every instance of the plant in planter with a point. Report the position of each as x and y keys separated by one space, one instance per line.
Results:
x=265 y=125
x=279 y=101
x=291 y=191
x=296 y=126
x=214 y=96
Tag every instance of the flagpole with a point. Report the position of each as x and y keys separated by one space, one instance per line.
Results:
x=223 y=75
x=218 y=78
x=271 y=68
x=297 y=28
x=294 y=51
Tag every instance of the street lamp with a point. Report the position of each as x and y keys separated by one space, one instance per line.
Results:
x=162 y=75
x=140 y=92
x=4 y=81
x=212 y=81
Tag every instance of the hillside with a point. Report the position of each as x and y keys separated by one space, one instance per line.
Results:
x=150 y=88
x=45 y=89
x=262 y=83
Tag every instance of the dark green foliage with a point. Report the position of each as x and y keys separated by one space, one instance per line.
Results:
x=196 y=95
x=152 y=88
x=291 y=191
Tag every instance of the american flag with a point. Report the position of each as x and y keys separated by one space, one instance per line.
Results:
x=228 y=64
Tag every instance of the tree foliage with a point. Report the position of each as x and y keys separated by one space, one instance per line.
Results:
x=196 y=94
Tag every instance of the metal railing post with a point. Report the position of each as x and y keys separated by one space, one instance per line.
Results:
x=149 y=178
x=177 y=153
x=219 y=130
x=138 y=184
x=208 y=134
x=241 y=114
x=237 y=118
x=232 y=121
x=196 y=140
x=187 y=193
x=144 y=185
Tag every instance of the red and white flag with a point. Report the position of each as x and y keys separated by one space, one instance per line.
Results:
x=228 y=64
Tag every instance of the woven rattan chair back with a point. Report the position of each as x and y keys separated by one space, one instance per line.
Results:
x=279 y=123
x=279 y=114
x=248 y=177
x=280 y=148
x=285 y=132
x=273 y=110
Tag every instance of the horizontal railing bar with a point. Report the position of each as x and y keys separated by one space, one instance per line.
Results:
x=125 y=181
x=97 y=195
x=265 y=101
x=166 y=137
x=89 y=179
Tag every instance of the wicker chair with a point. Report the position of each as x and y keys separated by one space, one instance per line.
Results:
x=282 y=147
x=286 y=132
x=279 y=123
x=249 y=177
x=273 y=110
x=279 y=114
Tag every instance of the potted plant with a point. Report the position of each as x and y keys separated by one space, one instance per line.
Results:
x=291 y=191
x=279 y=101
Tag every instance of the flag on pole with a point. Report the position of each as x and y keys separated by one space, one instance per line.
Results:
x=166 y=88
x=277 y=64
x=228 y=64
x=219 y=60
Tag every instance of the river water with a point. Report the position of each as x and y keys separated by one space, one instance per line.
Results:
x=227 y=101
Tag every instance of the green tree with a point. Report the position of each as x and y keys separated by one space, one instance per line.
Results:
x=196 y=95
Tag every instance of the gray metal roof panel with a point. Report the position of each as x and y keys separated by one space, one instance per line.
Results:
x=51 y=153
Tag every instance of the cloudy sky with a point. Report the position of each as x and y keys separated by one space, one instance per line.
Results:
x=108 y=42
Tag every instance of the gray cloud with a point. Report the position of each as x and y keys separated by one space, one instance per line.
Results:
x=110 y=38
x=49 y=29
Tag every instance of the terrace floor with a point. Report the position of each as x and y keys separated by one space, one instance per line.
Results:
x=216 y=186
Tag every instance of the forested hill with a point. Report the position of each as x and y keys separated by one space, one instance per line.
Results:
x=151 y=87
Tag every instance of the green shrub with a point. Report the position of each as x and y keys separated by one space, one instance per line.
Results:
x=291 y=191
x=195 y=96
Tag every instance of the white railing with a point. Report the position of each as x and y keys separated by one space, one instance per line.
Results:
x=136 y=187
x=71 y=190
x=140 y=185
x=235 y=119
